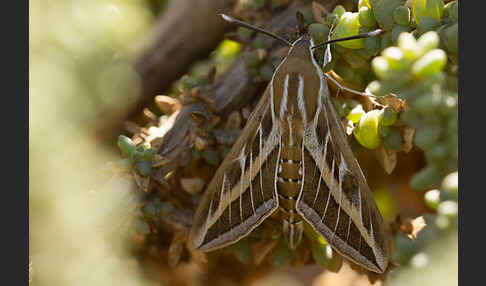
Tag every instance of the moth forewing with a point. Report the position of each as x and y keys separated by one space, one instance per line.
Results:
x=377 y=231
x=337 y=202
x=240 y=195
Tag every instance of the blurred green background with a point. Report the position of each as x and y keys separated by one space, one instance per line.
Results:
x=80 y=69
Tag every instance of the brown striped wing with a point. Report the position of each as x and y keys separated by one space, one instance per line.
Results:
x=336 y=200
x=242 y=193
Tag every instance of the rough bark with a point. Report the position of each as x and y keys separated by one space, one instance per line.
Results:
x=186 y=31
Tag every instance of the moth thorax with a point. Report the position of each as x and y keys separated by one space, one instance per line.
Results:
x=293 y=232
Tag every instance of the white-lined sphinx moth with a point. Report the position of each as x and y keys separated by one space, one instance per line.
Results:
x=293 y=157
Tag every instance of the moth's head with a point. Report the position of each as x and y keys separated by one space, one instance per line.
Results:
x=303 y=44
x=301 y=47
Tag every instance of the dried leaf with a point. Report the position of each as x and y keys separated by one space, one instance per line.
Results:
x=394 y=102
x=175 y=249
x=319 y=13
x=348 y=126
x=233 y=121
x=150 y=116
x=411 y=227
x=199 y=117
x=226 y=136
x=192 y=185
x=158 y=161
x=211 y=74
x=156 y=134
x=199 y=256
x=167 y=104
x=142 y=182
x=132 y=127
x=386 y=157
x=200 y=143
x=408 y=133
x=180 y=219
x=245 y=112
x=261 y=54
x=215 y=120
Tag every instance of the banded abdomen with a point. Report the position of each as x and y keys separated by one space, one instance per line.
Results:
x=289 y=181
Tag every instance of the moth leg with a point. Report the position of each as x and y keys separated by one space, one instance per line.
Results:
x=349 y=89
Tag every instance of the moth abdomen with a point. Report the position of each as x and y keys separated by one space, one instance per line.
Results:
x=289 y=185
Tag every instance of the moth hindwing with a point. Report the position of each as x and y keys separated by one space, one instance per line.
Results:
x=293 y=158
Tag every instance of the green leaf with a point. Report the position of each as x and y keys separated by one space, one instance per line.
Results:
x=144 y=168
x=426 y=137
x=363 y=3
x=397 y=30
x=427 y=8
x=354 y=60
x=348 y=26
x=319 y=253
x=401 y=15
x=428 y=41
x=339 y=10
x=366 y=17
x=149 y=153
x=450 y=10
x=450 y=183
x=426 y=178
x=356 y=113
x=383 y=11
x=393 y=140
x=318 y=32
x=450 y=38
x=448 y=208
x=396 y=60
x=367 y=130
x=431 y=63
x=432 y=198
x=381 y=67
x=409 y=46
x=388 y=116
x=126 y=145
x=427 y=24
x=384 y=131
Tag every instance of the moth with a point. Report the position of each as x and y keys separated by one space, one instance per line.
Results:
x=293 y=158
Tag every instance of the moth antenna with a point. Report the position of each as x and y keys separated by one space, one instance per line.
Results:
x=340 y=86
x=373 y=33
x=254 y=28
